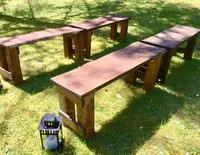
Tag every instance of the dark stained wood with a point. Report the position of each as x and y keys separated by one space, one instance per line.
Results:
x=87 y=42
x=85 y=115
x=190 y=47
x=33 y=37
x=181 y=49
x=3 y=60
x=68 y=51
x=14 y=64
x=71 y=124
x=99 y=22
x=164 y=66
x=67 y=106
x=113 y=31
x=131 y=77
x=151 y=73
x=124 y=29
x=79 y=48
x=94 y=75
x=172 y=37
x=10 y=61
x=110 y=20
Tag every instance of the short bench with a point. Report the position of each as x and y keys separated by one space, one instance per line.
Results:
x=110 y=20
x=9 y=49
x=77 y=87
x=171 y=40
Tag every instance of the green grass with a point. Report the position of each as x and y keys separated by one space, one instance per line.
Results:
x=127 y=120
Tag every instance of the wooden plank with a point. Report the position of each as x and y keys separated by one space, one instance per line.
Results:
x=172 y=37
x=190 y=47
x=14 y=64
x=70 y=95
x=185 y=30
x=131 y=77
x=164 y=66
x=68 y=51
x=140 y=72
x=6 y=74
x=67 y=106
x=87 y=42
x=113 y=32
x=79 y=49
x=33 y=37
x=124 y=29
x=151 y=74
x=85 y=115
x=71 y=124
x=3 y=59
x=99 y=22
x=94 y=75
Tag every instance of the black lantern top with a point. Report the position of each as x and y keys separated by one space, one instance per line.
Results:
x=50 y=122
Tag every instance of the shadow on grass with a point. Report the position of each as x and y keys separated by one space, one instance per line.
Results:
x=40 y=82
x=119 y=45
x=184 y=79
x=136 y=124
x=67 y=149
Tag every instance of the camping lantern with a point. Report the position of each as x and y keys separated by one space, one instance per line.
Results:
x=51 y=127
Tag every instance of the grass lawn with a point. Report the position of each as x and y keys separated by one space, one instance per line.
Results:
x=127 y=120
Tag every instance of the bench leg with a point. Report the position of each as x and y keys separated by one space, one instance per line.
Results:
x=113 y=31
x=68 y=50
x=14 y=64
x=124 y=30
x=164 y=66
x=3 y=60
x=85 y=115
x=151 y=74
x=87 y=42
x=67 y=106
x=131 y=77
x=79 y=49
x=190 y=47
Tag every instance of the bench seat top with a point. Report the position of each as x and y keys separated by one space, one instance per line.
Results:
x=96 y=74
x=33 y=37
x=99 y=22
x=172 y=37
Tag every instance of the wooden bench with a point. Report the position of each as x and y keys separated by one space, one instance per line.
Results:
x=110 y=20
x=171 y=40
x=77 y=87
x=9 y=49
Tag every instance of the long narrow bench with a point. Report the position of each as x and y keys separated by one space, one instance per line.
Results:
x=9 y=49
x=77 y=87
x=110 y=20
x=171 y=40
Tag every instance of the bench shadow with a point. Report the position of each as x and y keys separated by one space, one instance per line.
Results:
x=136 y=124
x=120 y=45
x=37 y=83
x=188 y=85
